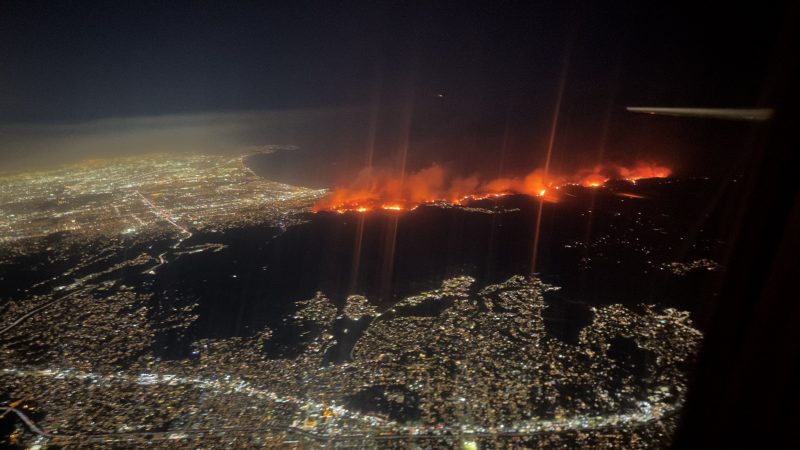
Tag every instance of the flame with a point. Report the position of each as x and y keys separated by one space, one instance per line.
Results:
x=644 y=170
x=377 y=189
x=593 y=180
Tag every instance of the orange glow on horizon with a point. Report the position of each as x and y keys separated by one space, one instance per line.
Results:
x=594 y=179
x=376 y=189
x=644 y=170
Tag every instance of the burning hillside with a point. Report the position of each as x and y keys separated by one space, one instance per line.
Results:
x=375 y=189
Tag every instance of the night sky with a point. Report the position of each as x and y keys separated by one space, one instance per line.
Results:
x=459 y=81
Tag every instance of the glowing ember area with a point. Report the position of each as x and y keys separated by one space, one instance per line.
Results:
x=374 y=189
x=599 y=175
x=593 y=180
x=644 y=171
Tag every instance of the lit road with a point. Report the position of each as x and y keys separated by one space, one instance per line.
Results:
x=41 y=308
x=33 y=427
x=384 y=431
x=164 y=215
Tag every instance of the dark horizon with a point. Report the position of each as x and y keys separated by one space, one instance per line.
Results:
x=460 y=83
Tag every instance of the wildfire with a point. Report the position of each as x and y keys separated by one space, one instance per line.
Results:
x=643 y=170
x=375 y=189
x=593 y=180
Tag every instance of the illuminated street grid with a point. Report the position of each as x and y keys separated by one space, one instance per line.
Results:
x=83 y=217
x=143 y=195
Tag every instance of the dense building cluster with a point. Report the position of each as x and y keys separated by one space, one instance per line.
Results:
x=319 y=310
x=482 y=370
x=681 y=268
x=142 y=195
x=357 y=306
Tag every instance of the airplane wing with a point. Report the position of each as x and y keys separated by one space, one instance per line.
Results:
x=755 y=115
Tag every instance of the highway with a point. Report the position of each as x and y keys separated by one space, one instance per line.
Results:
x=31 y=425
x=626 y=420
x=177 y=434
x=41 y=308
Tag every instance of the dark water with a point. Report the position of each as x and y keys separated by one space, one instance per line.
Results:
x=299 y=167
